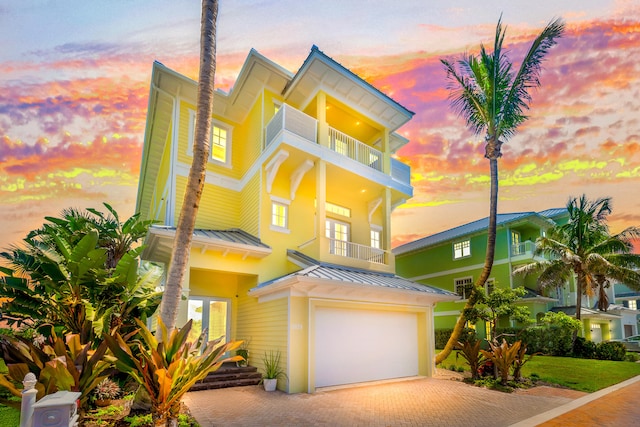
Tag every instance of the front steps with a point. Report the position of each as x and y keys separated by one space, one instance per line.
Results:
x=229 y=375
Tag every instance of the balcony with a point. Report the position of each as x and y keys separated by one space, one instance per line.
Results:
x=524 y=248
x=295 y=122
x=358 y=251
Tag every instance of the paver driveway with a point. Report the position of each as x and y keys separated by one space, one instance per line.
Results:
x=416 y=402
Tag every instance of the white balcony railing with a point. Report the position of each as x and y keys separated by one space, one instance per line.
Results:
x=524 y=248
x=354 y=149
x=357 y=251
x=292 y=120
x=295 y=121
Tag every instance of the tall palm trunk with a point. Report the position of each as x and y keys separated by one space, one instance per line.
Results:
x=488 y=260
x=195 y=184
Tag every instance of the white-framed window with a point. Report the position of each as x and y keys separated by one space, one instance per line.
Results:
x=516 y=243
x=337 y=209
x=280 y=214
x=376 y=236
x=462 y=249
x=338 y=234
x=220 y=140
x=633 y=304
x=463 y=286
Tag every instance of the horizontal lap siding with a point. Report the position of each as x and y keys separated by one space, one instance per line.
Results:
x=250 y=207
x=219 y=207
x=265 y=326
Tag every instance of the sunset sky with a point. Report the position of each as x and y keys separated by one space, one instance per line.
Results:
x=74 y=83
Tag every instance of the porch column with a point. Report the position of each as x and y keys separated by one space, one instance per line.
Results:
x=323 y=127
x=386 y=152
x=321 y=199
x=386 y=228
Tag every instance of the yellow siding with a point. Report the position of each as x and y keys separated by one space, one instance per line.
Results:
x=219 y=207
x=247 y=139
x=158 y=205
x=250 y=207
x=264 y=325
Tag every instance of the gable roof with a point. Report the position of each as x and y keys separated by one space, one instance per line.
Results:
x=471 y=228
x=319 y=71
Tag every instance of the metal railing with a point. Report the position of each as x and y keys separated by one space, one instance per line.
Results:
x=357 y=251
x=360 y=152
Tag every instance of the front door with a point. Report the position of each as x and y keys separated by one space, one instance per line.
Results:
x=210 y=314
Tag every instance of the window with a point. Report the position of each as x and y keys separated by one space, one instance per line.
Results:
x=220 y=140
x=633 y=304
x=338 y=234
x=463 y=286
x=338 y=210
x=516 y=247
x=462 y=249
x=375 y=238
x=219 y=144
x=489 y=286
x=279 y=214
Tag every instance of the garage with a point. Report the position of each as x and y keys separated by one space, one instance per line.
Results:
x=359 y=345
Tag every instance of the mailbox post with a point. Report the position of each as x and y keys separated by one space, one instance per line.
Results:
x=59 y=409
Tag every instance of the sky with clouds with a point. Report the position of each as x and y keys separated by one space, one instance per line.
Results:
x=74 y=84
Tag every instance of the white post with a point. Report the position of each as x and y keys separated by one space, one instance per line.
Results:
x=28 y=400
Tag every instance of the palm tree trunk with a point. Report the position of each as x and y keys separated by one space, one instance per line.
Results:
x=195 y=184
x=486 y=270
x=581 y=282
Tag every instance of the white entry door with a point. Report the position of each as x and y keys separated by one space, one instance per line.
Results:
x=354 y=346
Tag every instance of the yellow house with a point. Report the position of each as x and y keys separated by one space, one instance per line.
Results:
x=292 y=244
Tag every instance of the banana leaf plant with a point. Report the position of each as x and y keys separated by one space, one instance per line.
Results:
x=167 y=367
x=520 y=361
x=503 y=357
x=471 y=353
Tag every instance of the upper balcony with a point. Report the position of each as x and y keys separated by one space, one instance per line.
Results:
x=289 y=120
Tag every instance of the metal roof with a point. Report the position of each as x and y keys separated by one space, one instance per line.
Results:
x=341 y=273
x=553 y=212
x=232 y=235
x=468 y=229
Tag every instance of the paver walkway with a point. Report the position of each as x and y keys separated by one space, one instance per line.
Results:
x=417 y=402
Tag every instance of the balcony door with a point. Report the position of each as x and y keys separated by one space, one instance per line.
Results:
x=212 y=314
x=516 y=246
x=338 y=234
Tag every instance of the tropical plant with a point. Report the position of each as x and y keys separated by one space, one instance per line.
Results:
x=500 y=303
x=493 y=97
x=107 y=389
x=62 y=274
x=195 y=181
x=57 y=363
x=167 y=366
x=584 y=249
x=503 y=356
x=470 y=350
x=521 y=360
x=271 y=362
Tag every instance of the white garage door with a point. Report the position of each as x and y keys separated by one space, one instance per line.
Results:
x=361 y=345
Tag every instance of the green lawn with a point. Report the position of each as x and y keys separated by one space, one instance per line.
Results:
x=579 y=374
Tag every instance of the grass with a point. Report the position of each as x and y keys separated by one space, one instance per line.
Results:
x=578 y=374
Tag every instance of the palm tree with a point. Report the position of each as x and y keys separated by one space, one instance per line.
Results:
x=492 y=98
x=584 y=249
x=197 y=173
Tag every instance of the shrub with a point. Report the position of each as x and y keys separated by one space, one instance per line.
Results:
x=611 y=350
x=632 y=357
x=442 y=336
x=584 y=348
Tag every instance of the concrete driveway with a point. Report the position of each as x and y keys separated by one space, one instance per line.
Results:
x=415 y=402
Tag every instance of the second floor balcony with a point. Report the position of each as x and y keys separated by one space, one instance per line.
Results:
x=526 y=248
x=293 y=121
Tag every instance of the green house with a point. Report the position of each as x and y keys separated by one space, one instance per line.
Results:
x=453 y=260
